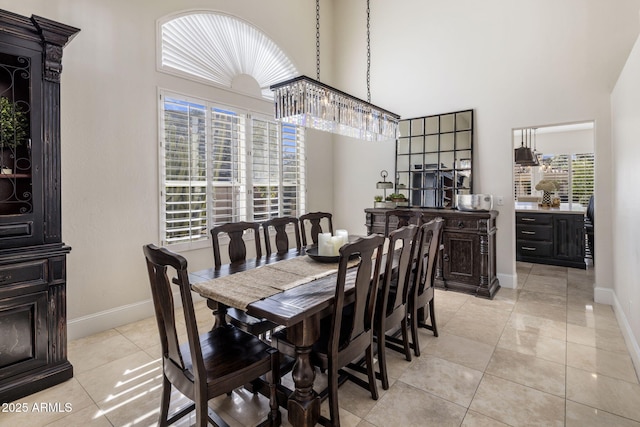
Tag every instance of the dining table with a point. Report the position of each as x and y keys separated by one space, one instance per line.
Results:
x=290 y=289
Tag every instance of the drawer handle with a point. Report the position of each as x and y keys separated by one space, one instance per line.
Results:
x=527 y=248
x=529 y=219
x=528 y=232
x=445 y=257
x=460 y=224
x=5 y=277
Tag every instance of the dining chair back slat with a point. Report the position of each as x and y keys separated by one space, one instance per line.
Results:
x=237 y=246
x=315 y=219
x=281 y=236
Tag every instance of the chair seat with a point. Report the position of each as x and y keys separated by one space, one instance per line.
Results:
x=228 y=350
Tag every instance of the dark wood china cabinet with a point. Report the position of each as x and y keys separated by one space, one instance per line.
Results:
x=33 y=334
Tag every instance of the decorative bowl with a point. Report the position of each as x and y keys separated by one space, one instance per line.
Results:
x=474 y=202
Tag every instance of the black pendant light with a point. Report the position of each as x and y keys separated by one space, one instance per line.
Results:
x=524 y=155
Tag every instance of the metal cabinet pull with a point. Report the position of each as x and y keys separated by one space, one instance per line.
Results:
x=527 y=248
x=529 y=219
x=5 y=277
x=528 y=232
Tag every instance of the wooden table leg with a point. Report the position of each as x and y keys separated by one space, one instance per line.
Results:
x=219 y=313
x=304 y=403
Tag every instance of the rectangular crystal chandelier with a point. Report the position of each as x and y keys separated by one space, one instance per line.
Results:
x=306 y=102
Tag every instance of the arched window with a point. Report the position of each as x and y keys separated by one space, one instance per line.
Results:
x=218 y=48
x=221 y=163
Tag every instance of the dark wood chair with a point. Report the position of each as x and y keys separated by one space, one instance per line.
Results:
x=392 y=311
x=422 y=295
x=209 y=365
x=238 y=252
x=237 y=245
x=281 y=236
x=404 y=217
x=348 y=332
x=315 y=219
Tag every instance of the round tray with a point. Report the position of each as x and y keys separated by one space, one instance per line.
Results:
x=313 y=254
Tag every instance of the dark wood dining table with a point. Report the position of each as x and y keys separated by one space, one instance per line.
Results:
x=299 y=309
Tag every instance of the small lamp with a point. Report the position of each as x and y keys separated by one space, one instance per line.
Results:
x=384 y=184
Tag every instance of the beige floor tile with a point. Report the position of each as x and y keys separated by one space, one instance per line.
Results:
x=599 y=391
x=143 y=333
x=549 y=270
x=460 y=350
x=474 y=419
x=528 y=370
x=547 y=284
x=542 y=298
x=604 y=339
x=60 y=401
x=517 y=405
x=450 y=381
x=533 y=344
x=90 y=416
x=96 y=350
x=551 y=312
x=404 y=405
x=609 y=363
x=584 y=416
x=538 y=325
x=596 y=316
x=482 y=331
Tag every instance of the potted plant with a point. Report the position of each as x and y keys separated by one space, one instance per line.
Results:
x=13 y=132
x=378 y=202
x=547 y=186
x=398 y=198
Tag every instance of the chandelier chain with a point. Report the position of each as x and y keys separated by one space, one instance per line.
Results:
x=318 y=40
x=368 y=53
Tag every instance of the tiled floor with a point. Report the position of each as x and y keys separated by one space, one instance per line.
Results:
x=543 y=354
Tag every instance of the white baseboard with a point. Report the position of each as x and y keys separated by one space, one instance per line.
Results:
x=603 y=295
x=81 y=327
x=627 y=332
x=508 y=280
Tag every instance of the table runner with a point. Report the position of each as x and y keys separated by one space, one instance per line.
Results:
x=241 y=289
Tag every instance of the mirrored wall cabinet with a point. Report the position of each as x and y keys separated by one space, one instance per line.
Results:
x=434 y=158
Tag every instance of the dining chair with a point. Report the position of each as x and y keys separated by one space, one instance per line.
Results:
x=392 y=308
x=348 y=332
x=207 y=365
x=404 y=217
x=422 y=294
x=281 y=237
x=315 y=220
x=238 y=252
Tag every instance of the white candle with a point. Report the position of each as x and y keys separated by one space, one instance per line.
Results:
x=336 y=241
x=344 y=235
x=325 y=246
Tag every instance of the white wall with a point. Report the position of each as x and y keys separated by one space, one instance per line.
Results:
x=625 y=108
x=518 y=64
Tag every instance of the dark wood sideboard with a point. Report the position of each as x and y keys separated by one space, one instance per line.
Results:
x=33 y=317
x=553 y=238
x=468 y=261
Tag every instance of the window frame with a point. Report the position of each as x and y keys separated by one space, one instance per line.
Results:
x=245 y=160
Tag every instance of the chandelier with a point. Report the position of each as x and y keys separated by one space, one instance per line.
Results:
x=306 y=102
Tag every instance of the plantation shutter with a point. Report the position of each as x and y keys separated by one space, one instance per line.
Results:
x=185 y=183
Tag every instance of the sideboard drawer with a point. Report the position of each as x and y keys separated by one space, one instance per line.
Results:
x=534 y=219
x=534 y=232
x=534 y=248
x=24 y=272
x=461 y=224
